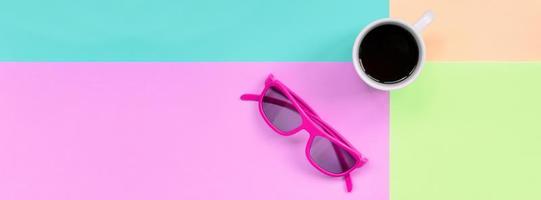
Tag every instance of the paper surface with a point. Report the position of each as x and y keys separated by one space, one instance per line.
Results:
x=468 y=131
x=462 y=30
x=178 y=131
x=183 y=30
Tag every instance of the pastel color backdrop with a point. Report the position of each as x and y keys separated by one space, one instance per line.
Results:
x=490 y=30
x=464 y=130
x=468 y=130
x=178 y=131
x=183 y=30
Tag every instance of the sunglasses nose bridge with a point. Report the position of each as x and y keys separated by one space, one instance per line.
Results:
x=311 y=129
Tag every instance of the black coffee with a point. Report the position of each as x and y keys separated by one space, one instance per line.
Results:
x=389 y=53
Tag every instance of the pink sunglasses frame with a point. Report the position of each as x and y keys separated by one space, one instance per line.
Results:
x=313 y=124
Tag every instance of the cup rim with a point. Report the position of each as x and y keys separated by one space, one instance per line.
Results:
x=388 y=86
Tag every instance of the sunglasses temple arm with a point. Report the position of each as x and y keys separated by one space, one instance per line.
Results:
x=303 y=104
x=249 y=97
x=275 y=101
x=349 y=183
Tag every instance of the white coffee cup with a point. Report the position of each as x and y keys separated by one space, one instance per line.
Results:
x=415 y=30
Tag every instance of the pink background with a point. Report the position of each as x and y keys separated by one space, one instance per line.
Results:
x=177 y=131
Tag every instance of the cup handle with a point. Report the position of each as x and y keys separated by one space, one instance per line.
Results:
x=424 y=21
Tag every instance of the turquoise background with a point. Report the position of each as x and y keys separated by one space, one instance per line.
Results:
x=172 y=30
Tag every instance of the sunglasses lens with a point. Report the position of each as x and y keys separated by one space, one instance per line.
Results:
x=330 y=157
x=280 y=111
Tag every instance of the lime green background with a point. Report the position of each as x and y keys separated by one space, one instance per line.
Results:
x=468 y=131
x=183 y=30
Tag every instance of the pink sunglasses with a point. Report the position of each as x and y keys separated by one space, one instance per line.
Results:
x=286 y=113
